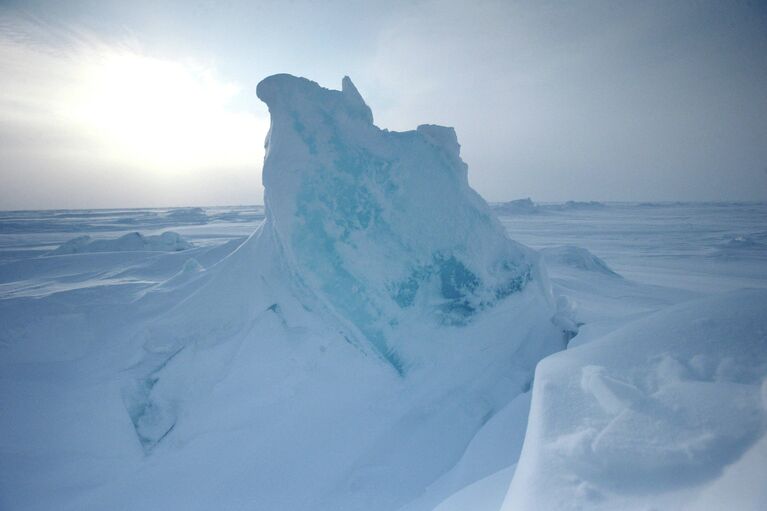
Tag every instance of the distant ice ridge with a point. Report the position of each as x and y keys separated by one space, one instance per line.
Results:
x=187 y=215
x=571 y=204
x=526 y=206
x=517 y=207
x=166 y=242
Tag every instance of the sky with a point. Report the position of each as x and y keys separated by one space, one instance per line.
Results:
x=106 y=103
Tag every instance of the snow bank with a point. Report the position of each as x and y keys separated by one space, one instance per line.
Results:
x=651 y=415
x=166 y=242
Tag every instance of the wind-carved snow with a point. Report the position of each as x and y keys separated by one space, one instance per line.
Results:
x=373 y=239
x=648 y=415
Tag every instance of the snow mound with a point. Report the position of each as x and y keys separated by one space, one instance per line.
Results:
x=517 y=207
x=166 y=242
x=651 y=414
x=576 y=257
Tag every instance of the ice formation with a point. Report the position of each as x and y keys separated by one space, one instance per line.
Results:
x=166 y=242
x=372 y=345
x=374 y=248
x=381 y=226
x=517 y=207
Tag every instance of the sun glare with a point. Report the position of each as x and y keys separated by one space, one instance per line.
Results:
x=164 y=116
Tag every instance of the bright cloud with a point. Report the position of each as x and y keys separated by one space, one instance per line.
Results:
x=113 y=105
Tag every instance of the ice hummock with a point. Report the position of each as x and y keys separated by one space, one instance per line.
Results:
x=378 y=276
x=381 y=226
x=168 y=241
x=524 y=206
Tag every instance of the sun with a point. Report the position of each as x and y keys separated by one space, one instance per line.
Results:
x=163 y=115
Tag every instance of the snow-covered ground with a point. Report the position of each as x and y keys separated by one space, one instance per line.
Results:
x=67 y=435
x=373 y=339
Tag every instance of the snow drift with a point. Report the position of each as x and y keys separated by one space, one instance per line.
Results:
x=651 y=415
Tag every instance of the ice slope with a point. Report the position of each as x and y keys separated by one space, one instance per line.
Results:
x=655 y=415
x=490 y=457
x=356 y=342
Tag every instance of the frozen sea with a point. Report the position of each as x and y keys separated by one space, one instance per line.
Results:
x=616 y=263
x=700 y=247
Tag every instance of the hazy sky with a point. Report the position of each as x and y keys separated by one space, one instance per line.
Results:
x=109 y=103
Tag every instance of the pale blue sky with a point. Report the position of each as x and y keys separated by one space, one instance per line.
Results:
x=115 y=104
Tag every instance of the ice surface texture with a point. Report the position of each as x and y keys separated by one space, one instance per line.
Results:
x=638 y=418
x=379 y=223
